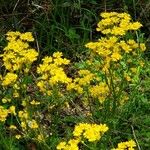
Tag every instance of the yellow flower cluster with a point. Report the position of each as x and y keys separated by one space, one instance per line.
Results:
x=24 y=116
x=52 y=72
x=17 y=54
x=91 y=132
x=9 y=78
x=100 y=91
x=82 y=131
x=112 y=49
x=33 y=102
x=5 y=112
x=70 y=145
x=26 y=121
x=116 y=23
x=84 y=79
x=130 y=145
x=40 y=137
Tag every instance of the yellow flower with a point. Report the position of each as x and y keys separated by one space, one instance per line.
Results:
x=12 y=110
x=23 y=114
x=142 y=47
x=4 y=100
x=3 y=113
x=116 y=56
x=127 y=77
x=127 y=48
x=40 y=137
x=12 y=127
x=10 y=78
x=33 y=124
x=23 y=125
x=57 y=54
x=71 y=145
x=61 y=145
x=27 y=36
x=15 y=94
x=18 y=136
x=134 y=25
x=33 y=102
x=24 y=103
x=99 y=91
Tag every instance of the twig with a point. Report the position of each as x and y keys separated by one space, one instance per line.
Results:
x=135 y=138
x=14 y=14
x=37 y=43
x=15 y=5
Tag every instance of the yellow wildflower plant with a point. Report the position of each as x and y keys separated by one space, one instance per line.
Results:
x=29 y=101
x=114 y=56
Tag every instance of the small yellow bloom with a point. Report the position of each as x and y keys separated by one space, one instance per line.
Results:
x=12 y=110
x=61 y=145
x=40 y=137
x=142 y=47
x=33 y=102
x=26 y=36
x=3 y=113
x=23 y=125
x=12 y=127
x=15 y=94
x=18 y=136
x=4 y=100
x=33 y=124
x=116 y=56
x=24 y=103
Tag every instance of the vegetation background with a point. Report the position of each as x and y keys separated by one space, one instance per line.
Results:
x=67 y=25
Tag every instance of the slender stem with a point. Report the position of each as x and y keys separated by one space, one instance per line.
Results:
x=112 y=88
x=135 y=138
